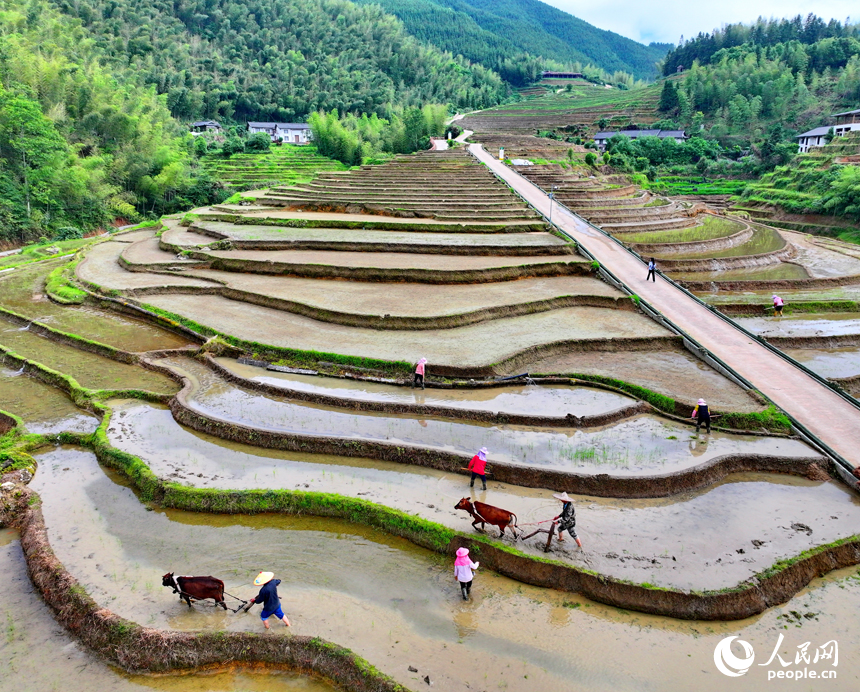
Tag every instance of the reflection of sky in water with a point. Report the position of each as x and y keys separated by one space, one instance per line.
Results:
x=829 y=362
x=542 y=400
x=825 y=324
x=639 y=444
x=43 y=409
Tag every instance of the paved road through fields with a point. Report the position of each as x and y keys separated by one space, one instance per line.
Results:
x=827 y=415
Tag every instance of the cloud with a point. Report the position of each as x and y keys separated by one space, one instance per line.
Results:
x=668 y=20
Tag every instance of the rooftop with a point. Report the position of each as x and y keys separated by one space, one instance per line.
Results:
x=817 y=132
x=282 y=126
x=836 y=115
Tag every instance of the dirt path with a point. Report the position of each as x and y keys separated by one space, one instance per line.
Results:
x=832 y=419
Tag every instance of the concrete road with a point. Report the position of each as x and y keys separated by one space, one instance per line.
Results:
x=827 y=415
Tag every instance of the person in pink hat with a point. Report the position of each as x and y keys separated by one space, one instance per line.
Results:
x=419 y=373
x=702 y=414
x=778 y=305
x=478 y=467
x=463 y=567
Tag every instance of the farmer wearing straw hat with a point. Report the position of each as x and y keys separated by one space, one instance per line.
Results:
x=268 y=596
x=567 y=519
x=478 y=467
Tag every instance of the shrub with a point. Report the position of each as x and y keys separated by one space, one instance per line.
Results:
x=68 y=233
x=259 y=141
x=591 y=158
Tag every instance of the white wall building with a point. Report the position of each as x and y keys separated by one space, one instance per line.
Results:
x=290 y=133
x=846 y=122
x=813 y=138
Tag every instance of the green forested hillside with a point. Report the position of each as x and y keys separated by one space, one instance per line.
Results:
x=80 y=141
x=279 y=59
x=745 y=79
x=502 y=34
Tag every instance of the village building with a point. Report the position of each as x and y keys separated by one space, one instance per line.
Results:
x=601 y=138
x=846 y=122
x=292 y=133
x=202 y=126
x=813 y=138
x=546 y=74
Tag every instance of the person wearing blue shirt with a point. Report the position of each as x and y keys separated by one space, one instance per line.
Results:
x=268 y=596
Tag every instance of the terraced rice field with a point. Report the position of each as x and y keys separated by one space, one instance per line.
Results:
x=286 y=163
x=731 y=262
x=313 y=457
x=585 y=105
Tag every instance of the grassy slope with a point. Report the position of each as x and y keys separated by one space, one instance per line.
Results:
x=282 y=164
x=585 y=104
x=802 y=185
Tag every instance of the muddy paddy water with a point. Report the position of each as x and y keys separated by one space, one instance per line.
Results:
x=535 y=400
x=631 y=539
x=44 y=409
x=392 y=603
x=23 y=292
x=38 y=655
x=829 y=362
x=773 y=272
x=90 y=370
x=640 y=445
x=803 y=324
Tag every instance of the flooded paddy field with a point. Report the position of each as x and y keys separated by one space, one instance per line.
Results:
x=677 y=374
x=388 y=260
x=100 y=267
x=44 y=409
x=803 y=324
x=23 y=292
x=771 y=272
x=398 y=605
x=542 y=400
x=38 y=655
x=371 y=299
x=643 y=444
x=288 y=235
x=832 y=363
x=763 y=297
x=90 y=370
x=763 y=241
x=470 y=346
x=629 y=539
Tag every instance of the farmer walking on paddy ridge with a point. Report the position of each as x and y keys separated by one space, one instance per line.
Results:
x=702 y=415
x=478 y=467
x=268 y=596
x=567 y=519
x=652 y=270
x=778 y=305
x=419 y=373
x=463 y=567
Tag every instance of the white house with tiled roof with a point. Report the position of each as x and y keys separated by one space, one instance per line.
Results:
x=292 y=133
x=846 y=122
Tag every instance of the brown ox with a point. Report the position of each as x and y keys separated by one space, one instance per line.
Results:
x=196 y=588
x=487 y=514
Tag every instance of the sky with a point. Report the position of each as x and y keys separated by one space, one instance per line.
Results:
x=668 y=20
